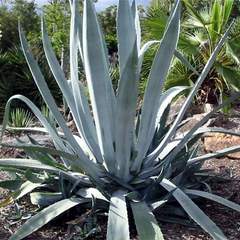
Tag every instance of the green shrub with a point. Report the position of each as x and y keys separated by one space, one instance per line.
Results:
x=20 y=118
x=120 y=163
x=203 y=24
x=15 y=78
x=48 y=115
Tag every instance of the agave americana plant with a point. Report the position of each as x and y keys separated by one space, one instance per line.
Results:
x=123 y=161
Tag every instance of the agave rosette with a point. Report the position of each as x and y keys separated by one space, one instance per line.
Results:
x=123 y=159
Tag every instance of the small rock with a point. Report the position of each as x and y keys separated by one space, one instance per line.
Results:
x=218 y=141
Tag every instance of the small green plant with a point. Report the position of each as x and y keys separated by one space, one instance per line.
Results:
x=48 y=115
x=20 y=118
x=122 y=159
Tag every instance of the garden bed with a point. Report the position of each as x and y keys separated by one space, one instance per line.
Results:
x=71 y=226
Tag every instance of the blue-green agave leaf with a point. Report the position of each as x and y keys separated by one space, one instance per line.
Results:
x=88 y=130
x=127 y=90
x=217 y=154
x=136 y=18
x=146 y=224
x=118 y=226
x=96 y=68
x=191 y=95
x=44 y=199
x=67 y=92
x=194 y=130
x=177 y=54
x=214 y=198
x=45 y=216
x=27 y=164
x=87 y=165
x=193 y=210
x=56 y=139
x=155 y=83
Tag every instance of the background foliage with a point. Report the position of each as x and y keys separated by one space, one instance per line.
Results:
x=203 y=23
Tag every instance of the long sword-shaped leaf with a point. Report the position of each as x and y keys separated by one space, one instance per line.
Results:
x=98 y=79
x=177 y=54
x=142 y=52
x=90 y=193
x=194 y=129
x=84 y=122
x=44 y=150
x=155 y=83
x=57 y=140
x=166 y=100
x=207 y=130
x=127 y=90
x=125 y=116
x=217 y=154
x=136 y=18
x=177 y=143
x=173 y=148
x=193 y=210
x=45 y=216
x=28 y=129
x=126 y=33
x=147 y=226
x=187 y=103
x=27 y=164
x=118 y=228
x=23 y=190
x=88 y=130
x=57 y=71
x=87 y=165
x=185 y=62
x=79 y=22
x=214 y=198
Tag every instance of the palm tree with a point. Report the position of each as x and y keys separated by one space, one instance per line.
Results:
x=203 y=23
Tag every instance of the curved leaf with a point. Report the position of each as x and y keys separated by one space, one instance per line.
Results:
x=44 y=216
x=187 y=103
x=215 y=198
x=90 y=193
x=127 y=90
x=23 y=190
x=193 y=210
x=136 y=18
x=177 y=54
x=84 y=162
x=217 y=154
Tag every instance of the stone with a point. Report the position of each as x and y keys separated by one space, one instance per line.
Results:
x=217 y=141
